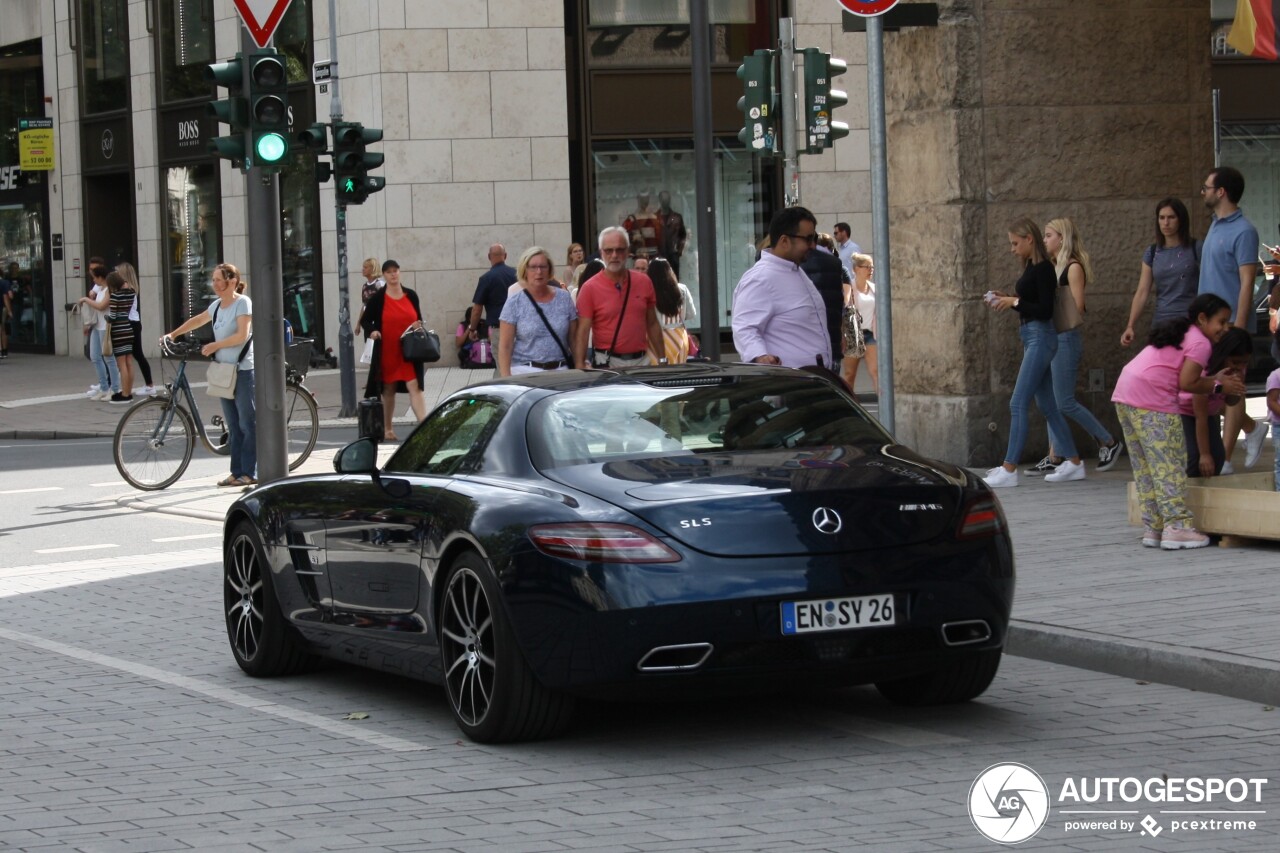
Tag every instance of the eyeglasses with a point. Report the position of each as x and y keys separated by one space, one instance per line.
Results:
x=1207 y=188
x=538 y=267
x=811 y=238
x=622 y=250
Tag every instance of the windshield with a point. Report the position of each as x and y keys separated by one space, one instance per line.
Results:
x=604 y=424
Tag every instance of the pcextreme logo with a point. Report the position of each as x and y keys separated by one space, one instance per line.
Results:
x=1010 y=803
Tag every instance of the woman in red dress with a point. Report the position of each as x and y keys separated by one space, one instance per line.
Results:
x=387 y=315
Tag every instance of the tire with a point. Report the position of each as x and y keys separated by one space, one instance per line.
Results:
x=153 y=444
x=263 y=642
x=958 y=681
x=302 y=424
x=493 y=695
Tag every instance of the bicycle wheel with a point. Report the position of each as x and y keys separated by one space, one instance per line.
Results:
x=302 y=424
x=153 y=444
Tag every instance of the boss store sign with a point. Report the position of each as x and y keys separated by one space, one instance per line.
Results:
x=185 y=134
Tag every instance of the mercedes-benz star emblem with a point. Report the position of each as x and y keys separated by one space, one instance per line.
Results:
x=827 y=520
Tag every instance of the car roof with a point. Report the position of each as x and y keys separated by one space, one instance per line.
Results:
x=676 y=374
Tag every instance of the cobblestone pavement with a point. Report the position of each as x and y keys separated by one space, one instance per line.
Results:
x=128 y=727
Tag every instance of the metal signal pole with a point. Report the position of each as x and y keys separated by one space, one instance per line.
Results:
x=346 y=337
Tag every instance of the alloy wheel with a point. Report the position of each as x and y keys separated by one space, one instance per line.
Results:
x=467 y=644
x=244 y=598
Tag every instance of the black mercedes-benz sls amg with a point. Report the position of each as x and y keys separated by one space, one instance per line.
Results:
x=621 y=534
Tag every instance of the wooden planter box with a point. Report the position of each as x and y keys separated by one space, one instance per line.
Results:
x=1237 y=505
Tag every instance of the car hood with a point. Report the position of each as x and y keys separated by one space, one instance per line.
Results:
x=782 y=502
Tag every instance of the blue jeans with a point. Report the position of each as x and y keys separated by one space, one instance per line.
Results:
x=108 y=372
x=1035 y=381
x=1064 y=366
x=242 y=426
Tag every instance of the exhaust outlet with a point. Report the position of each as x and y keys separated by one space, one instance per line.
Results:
x=966 y=633
x=682 y=658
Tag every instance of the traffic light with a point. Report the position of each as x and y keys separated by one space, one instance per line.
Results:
x=821 y=131
x=316 y=138
x=268 y=110
x=232 y=110
x=758 y=102
x=351 y=162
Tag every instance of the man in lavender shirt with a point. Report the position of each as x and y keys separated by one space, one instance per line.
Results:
x=778 y=315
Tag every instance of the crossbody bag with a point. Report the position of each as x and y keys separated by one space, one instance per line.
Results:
x=564 y=350
x=600 y=358
x=221 y=376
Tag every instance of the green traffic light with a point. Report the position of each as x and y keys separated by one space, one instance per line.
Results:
x=271 y=147
x=349 y=186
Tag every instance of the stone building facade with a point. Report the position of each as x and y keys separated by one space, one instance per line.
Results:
x=1041 y=109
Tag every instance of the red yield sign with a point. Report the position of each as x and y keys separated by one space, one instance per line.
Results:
x=261 y=17
x=864 y=8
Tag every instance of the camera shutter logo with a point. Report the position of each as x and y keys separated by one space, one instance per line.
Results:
x=1008 y=803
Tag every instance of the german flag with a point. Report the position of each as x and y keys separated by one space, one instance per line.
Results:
x=1254 y=31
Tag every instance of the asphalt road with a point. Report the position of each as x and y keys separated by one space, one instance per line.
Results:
x=127 y=726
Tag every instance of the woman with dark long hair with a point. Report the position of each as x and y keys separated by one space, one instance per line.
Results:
x=675 y=306
x=1170 y=265
x=1146 y=398
x=122 y=341
x=1033 y=300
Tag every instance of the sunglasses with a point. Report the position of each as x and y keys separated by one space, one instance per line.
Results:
x=809 y=238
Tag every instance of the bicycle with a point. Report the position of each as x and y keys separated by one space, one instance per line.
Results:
x=155 y=439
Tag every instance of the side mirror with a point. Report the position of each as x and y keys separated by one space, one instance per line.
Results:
x=358 y=457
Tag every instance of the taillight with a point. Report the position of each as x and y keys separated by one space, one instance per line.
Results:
x=982 y=518
x=600 y=543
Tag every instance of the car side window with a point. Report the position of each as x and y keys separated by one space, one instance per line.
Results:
x=446 y=437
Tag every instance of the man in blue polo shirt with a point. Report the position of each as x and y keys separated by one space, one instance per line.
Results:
x=1228 y=264
x=491 y=293
x=1229 y=259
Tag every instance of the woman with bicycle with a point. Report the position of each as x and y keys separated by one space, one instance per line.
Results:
x=387 y=315
x=232 y=318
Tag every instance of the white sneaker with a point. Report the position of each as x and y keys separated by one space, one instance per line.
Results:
x=1066 y=472
x=93 y=392
x=145 y=391
x=1000 y=477
x=1253 y=442
x=102 y=395
x=1226 y=469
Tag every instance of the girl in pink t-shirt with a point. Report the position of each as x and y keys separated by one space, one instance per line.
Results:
x=1146 y=399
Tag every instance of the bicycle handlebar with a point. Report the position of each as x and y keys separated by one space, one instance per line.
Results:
x=184 y=347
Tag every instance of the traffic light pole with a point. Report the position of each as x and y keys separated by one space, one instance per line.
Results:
x=880 y=219
x=787 y=94
x=346 y=337
x=266 y=283
x=704 y=185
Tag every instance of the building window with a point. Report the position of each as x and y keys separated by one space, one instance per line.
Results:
x=299 y=234
x=186 y=46
x=104 y=55
x=647 y=186
x=293 y=39
x=193 y=238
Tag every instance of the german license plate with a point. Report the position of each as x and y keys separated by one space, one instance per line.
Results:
x=837 y=614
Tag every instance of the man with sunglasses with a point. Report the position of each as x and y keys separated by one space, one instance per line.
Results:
x=778 y=315
x=617 y=311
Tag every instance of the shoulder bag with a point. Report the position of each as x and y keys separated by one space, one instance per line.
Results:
x=600 y=358
x=1066 y=314
x=564 y=350
x=221 y=375
x=855 y=345
x=417 y=345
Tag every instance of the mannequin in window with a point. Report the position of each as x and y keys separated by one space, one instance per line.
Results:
x=645 y=225
x=673 y=234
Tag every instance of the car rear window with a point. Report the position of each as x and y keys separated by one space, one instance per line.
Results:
x=602 y=424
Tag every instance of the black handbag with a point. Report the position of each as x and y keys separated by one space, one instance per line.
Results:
x=418 y=345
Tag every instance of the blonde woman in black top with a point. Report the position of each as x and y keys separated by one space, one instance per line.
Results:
x=1033 y=302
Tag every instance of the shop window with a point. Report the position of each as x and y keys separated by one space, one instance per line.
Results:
x=626 y=33
x=293 y=39
x=104 y=54
x=647 y=186
x=23 y=270
x=193 y=239
x=298 y=230
x=186 y=46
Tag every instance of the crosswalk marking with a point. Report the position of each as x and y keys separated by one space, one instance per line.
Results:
x=22 y=580
x=29 y=491
x=69 y=548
